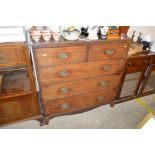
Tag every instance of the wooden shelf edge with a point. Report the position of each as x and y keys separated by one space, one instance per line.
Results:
x=16 y=94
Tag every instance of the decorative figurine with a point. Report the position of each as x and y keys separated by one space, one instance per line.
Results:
x=133 y=35
x=92 y=33
x=103 y=31
x=113 y=32
x=146 y=40
x=123 y=30
x=139 y=38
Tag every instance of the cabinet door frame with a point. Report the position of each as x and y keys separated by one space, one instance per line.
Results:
x=133 y=69
x=141 y=92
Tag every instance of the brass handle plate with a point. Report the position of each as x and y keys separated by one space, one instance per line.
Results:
x=64 y=90
x=63 y=55
x=130 y=64
x=65 y=106
x=63 y=73
x=109 y=52
x=103 y=83
x=100 y=98
x=106 y=67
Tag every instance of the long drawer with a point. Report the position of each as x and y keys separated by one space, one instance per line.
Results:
x=84 y=86
x=12 y=55
x=100 y=51
x=73 y=104
x=68 y=72
x=60 y=55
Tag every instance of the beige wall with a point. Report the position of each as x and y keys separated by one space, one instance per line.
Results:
x=144 y=29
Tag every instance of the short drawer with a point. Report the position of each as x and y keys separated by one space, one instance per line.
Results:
x=62 y=90
x=100 y=51
x=84 y=86
x=137 y=64
x=12 y=55
x=60 y=55
x=73 y=104
x=78 y=71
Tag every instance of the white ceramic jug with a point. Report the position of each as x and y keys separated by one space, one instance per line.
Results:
x=152 y=49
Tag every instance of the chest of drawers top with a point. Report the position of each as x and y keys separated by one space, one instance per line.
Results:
x=63 y=42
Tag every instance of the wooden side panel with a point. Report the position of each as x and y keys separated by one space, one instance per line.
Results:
x=18 y=108
x=11 y=55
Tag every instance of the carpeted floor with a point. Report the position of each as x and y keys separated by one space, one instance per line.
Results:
x=123 y=116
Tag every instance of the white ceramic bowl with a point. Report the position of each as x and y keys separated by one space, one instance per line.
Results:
x=56 y=35
x=74 y=35
x=36 y=37
x=46 y=36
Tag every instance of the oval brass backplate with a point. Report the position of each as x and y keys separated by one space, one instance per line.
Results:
x=100 y=98
x=63 y=55
x=109 y=52
x=103 y=83
x=63 y=73
x=64 y=90
x=106 y=67
x=65 y=106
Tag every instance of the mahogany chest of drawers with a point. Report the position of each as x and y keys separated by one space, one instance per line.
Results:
x=77 y=76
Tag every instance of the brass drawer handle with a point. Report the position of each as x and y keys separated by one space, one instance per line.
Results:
x=63 y=55
x=130 y=64
x=65 y=106
x=103 y=83
x=63 y=73
x=109 y=52
x=64 y=90
x=100 y=98
x=106 y=67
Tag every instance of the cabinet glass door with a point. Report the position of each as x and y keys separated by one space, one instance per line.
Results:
x=14 y=81
x=150 y=82
x=130 y=84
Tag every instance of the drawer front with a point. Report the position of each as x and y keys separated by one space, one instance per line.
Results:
x=18 y=108
x=70 y=72
x=102 y=83
x=101 y=51
x=73 y=104
x=68 y=89
x=63 y=90
x=11 y=55
x=137 y=64
x=61 y=55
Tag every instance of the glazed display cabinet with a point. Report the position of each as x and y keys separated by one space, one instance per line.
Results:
x=138 y=77
x=18 y=98
x=149 y=83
